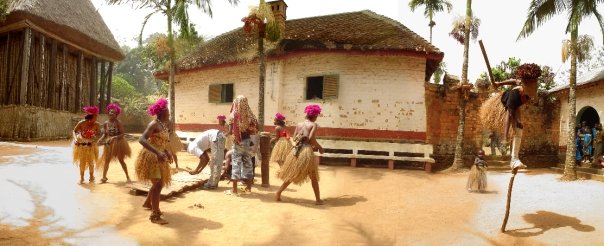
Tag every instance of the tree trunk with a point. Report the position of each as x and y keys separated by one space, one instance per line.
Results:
x=570 y=170
x=25 y=66
x=261 y=76
x=171 y=93
x=459 y=141
x=109 y=82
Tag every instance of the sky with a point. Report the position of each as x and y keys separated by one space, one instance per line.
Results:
x=501 y=21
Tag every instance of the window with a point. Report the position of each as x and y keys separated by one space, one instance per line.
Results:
x=322 y=87
x=221 y=93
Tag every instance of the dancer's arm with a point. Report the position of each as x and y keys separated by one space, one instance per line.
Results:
x=507 y=82
x=313 y=140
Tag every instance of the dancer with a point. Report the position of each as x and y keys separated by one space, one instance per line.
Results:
x=283 y=144
x=175 y=144
x=210 y=141
x=242 y=124
x=522 y=91
x=85 y=148
x=477 y=181
x=152 y=164
x=300 y=163
x=115 y=145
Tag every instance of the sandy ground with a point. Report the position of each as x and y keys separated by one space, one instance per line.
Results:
x=43 y=204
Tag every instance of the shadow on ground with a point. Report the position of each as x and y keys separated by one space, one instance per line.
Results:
x=544 y=221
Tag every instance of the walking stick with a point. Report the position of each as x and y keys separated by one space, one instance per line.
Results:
x=486 y=60
x=507 y=206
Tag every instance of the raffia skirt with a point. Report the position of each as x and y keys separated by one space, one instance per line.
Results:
x=477 y=181
x=281 y=149
x=118 y=149
x=299 y=169
x=175 y=144
x=148 y=167
x=85 y=155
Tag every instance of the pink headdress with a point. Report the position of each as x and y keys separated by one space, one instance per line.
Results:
x=312 y=110
x=279 y=116
x=115 y=107
x=221 y=117
x=91 y=110
x=158 y=106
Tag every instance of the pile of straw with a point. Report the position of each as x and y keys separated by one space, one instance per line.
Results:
x=492 y=114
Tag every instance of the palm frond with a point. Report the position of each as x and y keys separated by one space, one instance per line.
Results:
x=140 y=35
x=539 y=12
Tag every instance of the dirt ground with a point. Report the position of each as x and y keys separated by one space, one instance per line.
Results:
x=363 y=206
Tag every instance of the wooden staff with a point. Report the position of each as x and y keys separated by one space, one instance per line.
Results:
x=486 y=60
x=507 y=206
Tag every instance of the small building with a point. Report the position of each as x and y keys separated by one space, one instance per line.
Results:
x=368 y=73
x=589 y=96
x=57 y=56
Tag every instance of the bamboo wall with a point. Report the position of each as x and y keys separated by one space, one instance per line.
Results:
x=43 y=82
x=40 y=71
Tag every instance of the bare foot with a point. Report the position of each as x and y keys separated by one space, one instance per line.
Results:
x=104 y=180
x=319 y=202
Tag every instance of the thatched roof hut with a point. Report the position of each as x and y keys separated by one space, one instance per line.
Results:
x=361 y=31
x=55 y=57
x=77 y=22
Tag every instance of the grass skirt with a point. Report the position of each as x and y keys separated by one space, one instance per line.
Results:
x=477 y=181
x=119 y=148
x=147 y=166
x=281 y=149
x=175 y=144
x=492 y=114
x=85 y=155
x=299 y=169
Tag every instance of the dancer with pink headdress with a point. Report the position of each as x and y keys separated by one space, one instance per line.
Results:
x=281 y=140
x=300 y=164
x=153 y=162
x=115 y=145
x=85 y=148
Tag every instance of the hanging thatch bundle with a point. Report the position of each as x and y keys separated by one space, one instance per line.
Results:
x=492 y=113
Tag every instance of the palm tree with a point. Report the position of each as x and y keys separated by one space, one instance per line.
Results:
x=469 y=27
x=262 y=21
x=431 y=8
x=176 y=12
x=576 y=11
x=585 y=44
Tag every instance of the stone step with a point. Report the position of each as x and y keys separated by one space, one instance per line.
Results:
x=585 y=173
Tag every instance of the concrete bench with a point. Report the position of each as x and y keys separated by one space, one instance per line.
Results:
x=377 y=151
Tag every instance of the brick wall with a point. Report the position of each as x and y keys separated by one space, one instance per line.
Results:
x=539 y=139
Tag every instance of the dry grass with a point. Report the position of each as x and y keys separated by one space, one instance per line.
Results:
x=492 y=113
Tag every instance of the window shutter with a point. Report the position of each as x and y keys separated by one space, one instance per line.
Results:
x=330 y=86
x=215 y=93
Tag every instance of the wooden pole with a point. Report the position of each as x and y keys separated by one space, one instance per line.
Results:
x=509 y=200
x=25 y=65
x=78 y=86
x=63 y=80
x=109 y=82
x=486 y=60
x=52 y=76
x=102 y=87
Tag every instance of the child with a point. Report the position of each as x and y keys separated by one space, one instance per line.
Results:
x=116 y=146
x=300 y=163
x=477 y=181
x=85 y=149
x=600 y=161
x=152 y=164
x=282 y=145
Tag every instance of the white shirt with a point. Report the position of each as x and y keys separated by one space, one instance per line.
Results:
x=202 y=142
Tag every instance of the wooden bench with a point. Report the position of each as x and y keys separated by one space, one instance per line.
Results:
x=377 y=151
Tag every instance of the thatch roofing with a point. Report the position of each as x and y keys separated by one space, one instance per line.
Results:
x=363 y=31
x=586 y=79
x=75 y=21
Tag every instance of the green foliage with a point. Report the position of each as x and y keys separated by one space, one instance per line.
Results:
x=438 y=73
x=4 y=5
x=136 y=70
x=122 y=89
